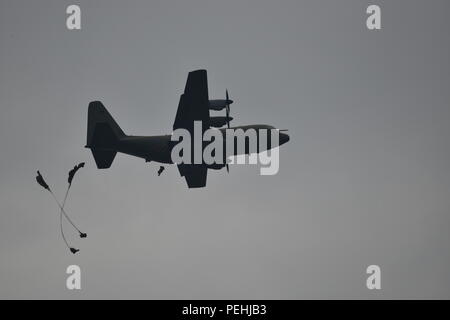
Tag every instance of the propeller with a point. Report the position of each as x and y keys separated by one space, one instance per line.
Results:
x=227 y=111
x=228 y=120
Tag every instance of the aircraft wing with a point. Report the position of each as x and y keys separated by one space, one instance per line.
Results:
x=194 y=102
x=194 y=106
x=195 y=174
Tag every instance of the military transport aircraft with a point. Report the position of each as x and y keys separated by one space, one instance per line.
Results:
x=105 y=138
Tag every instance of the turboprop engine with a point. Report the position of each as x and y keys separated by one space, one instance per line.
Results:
x=219 y=104
x=218 y=122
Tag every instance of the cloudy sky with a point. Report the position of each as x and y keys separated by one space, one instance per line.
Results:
x=364 y=180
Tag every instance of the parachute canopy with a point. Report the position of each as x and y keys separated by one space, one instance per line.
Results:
x=41 y=181
x=74 y=171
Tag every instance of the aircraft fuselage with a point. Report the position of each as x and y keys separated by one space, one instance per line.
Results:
x=159 y=148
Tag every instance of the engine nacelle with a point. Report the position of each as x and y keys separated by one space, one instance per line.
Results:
x=215 y=166
x=219 y=104
x=218 y=122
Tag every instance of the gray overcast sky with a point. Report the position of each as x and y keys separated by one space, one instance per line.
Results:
x=364 y=180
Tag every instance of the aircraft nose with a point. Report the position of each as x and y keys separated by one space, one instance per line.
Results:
x=284 y=137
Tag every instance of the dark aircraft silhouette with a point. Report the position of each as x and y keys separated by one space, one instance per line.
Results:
x=105 y=138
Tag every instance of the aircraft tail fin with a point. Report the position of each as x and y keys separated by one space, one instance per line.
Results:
x=103 y=158
x=102 y=135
